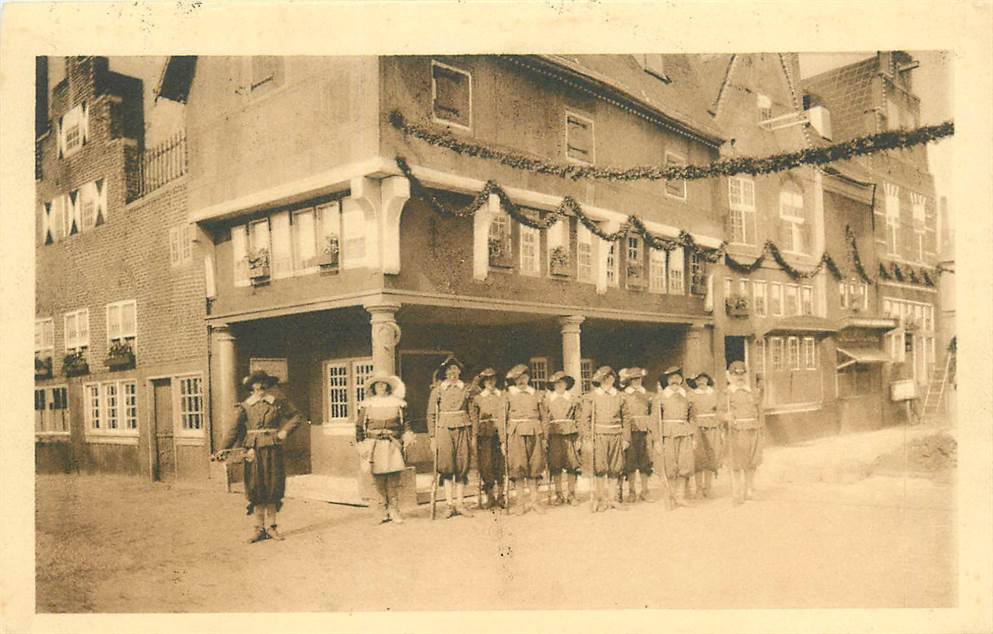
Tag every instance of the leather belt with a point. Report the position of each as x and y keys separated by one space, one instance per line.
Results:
x=261 y=432
x=453 y=411
x=607 y=428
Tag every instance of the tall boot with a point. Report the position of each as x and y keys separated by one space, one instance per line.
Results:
x=559 y=499
x=632 y=496
x=449 y=501
x=460 y=500
x=571 y=488
x=258 y=532
x=273 y=530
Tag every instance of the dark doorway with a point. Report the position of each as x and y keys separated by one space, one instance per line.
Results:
x=161 y=436
x=734 y=350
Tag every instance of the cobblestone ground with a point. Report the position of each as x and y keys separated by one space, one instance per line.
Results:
x=826 y=531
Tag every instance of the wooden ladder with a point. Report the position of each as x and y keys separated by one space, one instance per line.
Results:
x=934 y=399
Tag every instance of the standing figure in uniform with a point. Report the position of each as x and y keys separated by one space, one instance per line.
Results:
x=525 y=442
x=488 y=411
x=745 y=430
x=262 y=423
x=636 y=411
x=563 y=433
x=675 y=413
x=709 y=433
x=606 y=436
x=382 y=434
x=452 y=434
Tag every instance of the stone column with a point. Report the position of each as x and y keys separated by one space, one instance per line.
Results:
x=695 y=356
x=224 y=369
x=385 y=336
x=571 y=350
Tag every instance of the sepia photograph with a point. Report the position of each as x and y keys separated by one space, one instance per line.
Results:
x=497 y=331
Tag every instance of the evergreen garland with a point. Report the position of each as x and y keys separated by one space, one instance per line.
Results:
x=856 y=258
x=860 y=146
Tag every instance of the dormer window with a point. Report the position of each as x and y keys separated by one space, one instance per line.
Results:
x=653 y=64
x=73 y=130
x=765 y=107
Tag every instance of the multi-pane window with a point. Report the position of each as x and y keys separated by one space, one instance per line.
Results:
x=44 y=338
x=303 y=227
x=111 y=407
x=776 y=299
x=675 y=188
x=776 y=353
x=122 y=322
x=656 y=271
x=579 y=138
x=807 y=300
x=676 y=270
x=743 y=287
x=180 y=244
x=741 y=192
x=51 y=410
x=792 y=218
x=191 y=403
x=538 y=369
x=790 y=297
x=864 y=295
x=584 y=253
x=77 y=330
x=809 y=353
x=451 y=90
x=258 y=236
x=73 y=129
x=343 y=387
x=793 y=352
x=892 y=218
x=296 y=240
x=530 y=249
x=758 y=298
x=498 y=239
x=612 y=276
x=760 y=351
x=585 y=375
x=920 y=227
x=698 y=275
x=282 y=245
x=353 y=237
x=635 y=264
x=558 y=240
x=764 y=105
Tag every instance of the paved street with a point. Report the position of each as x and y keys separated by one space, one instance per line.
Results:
x=818 y=536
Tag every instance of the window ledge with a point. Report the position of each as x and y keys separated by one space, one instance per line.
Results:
x=112 y=439
x=53 y=436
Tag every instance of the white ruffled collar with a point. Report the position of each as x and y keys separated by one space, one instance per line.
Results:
x=704 y=390
x=674 y=389
x=739 y=388
x=631 y=389
x=447 y=384
x=384 y=401
x=494 y=391
x=612 y=391
x=513 y=389
x=554 y=396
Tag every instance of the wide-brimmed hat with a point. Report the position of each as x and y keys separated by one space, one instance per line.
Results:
x=450 y=361
x=517 y=371
x=737 y=367
x=601 y=373
x=632 y=373
x=259 y=376
x=397 y=388
x=664 y=378
x=562 y=376
x=696 y=377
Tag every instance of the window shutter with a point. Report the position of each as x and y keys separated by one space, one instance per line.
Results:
x=113 y=321
x=101 y=201
x=353 y=237
x=60 y=133
x=239 y=249
x=84 y=123
x=46 y=223
x=282 y=253
x=84 y=327
x=74 y=206
x=303 y=236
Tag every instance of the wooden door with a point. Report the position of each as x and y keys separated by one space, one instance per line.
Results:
x=416 y=370
x=163 y=448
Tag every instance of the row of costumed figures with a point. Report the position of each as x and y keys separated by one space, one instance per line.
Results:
x=518 y=435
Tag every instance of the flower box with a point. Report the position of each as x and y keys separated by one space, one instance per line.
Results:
x=327 y=259
x=75 y=364
x=43 y=367
x=559 y=262
x=258 y=266
x=636 y=276
x=736 y=306
x=499 y=251
x=698 y=290
x=119 y=357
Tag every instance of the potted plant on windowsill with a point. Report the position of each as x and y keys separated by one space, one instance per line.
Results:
x=75 y=364
x=559 y=261
x=120 y=356
x=328 y=258
x=499 y=252
x=636 y=275
x=737 y=306
x=258 y=265
x=43 y=367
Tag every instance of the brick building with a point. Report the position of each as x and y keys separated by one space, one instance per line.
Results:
x=868 y=97
x=120 y=340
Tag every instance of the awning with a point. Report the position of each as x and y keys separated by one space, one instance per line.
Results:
x=862 y=355
x=808 y=324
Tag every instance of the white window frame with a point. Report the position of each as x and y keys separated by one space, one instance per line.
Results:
x=567 y=147
x=48 y=396
x=351 y=236
x=843 y=294
x=355 y=368
x=743 y=290
x=530 y=262
x=239 y=249
x=613 y=268
x=77 y=343
x=682 y=163
x=778 y=361
x=742 y=208
x=864 y=290
x=434 y=96
x=676 y=266
x=759 y=298
x=795 y=307
x=776 y=290
x=920 y=222
x=110 y=407
x=77 y=117
x=760 y=347
x=809 y=353
x=807 y=296
x=793 y=360
x=584 y=254
x=44 y=338
x=180 y=401
x=892 y=193
x=658 y=273
x=796 y=222
x=558 y=235
x=129 y=336
x=764 y=105
x=538 y=369
x=585 y=375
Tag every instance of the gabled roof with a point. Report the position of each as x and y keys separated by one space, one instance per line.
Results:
x=177 y=77
x=847 y=94
x=679 y=100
